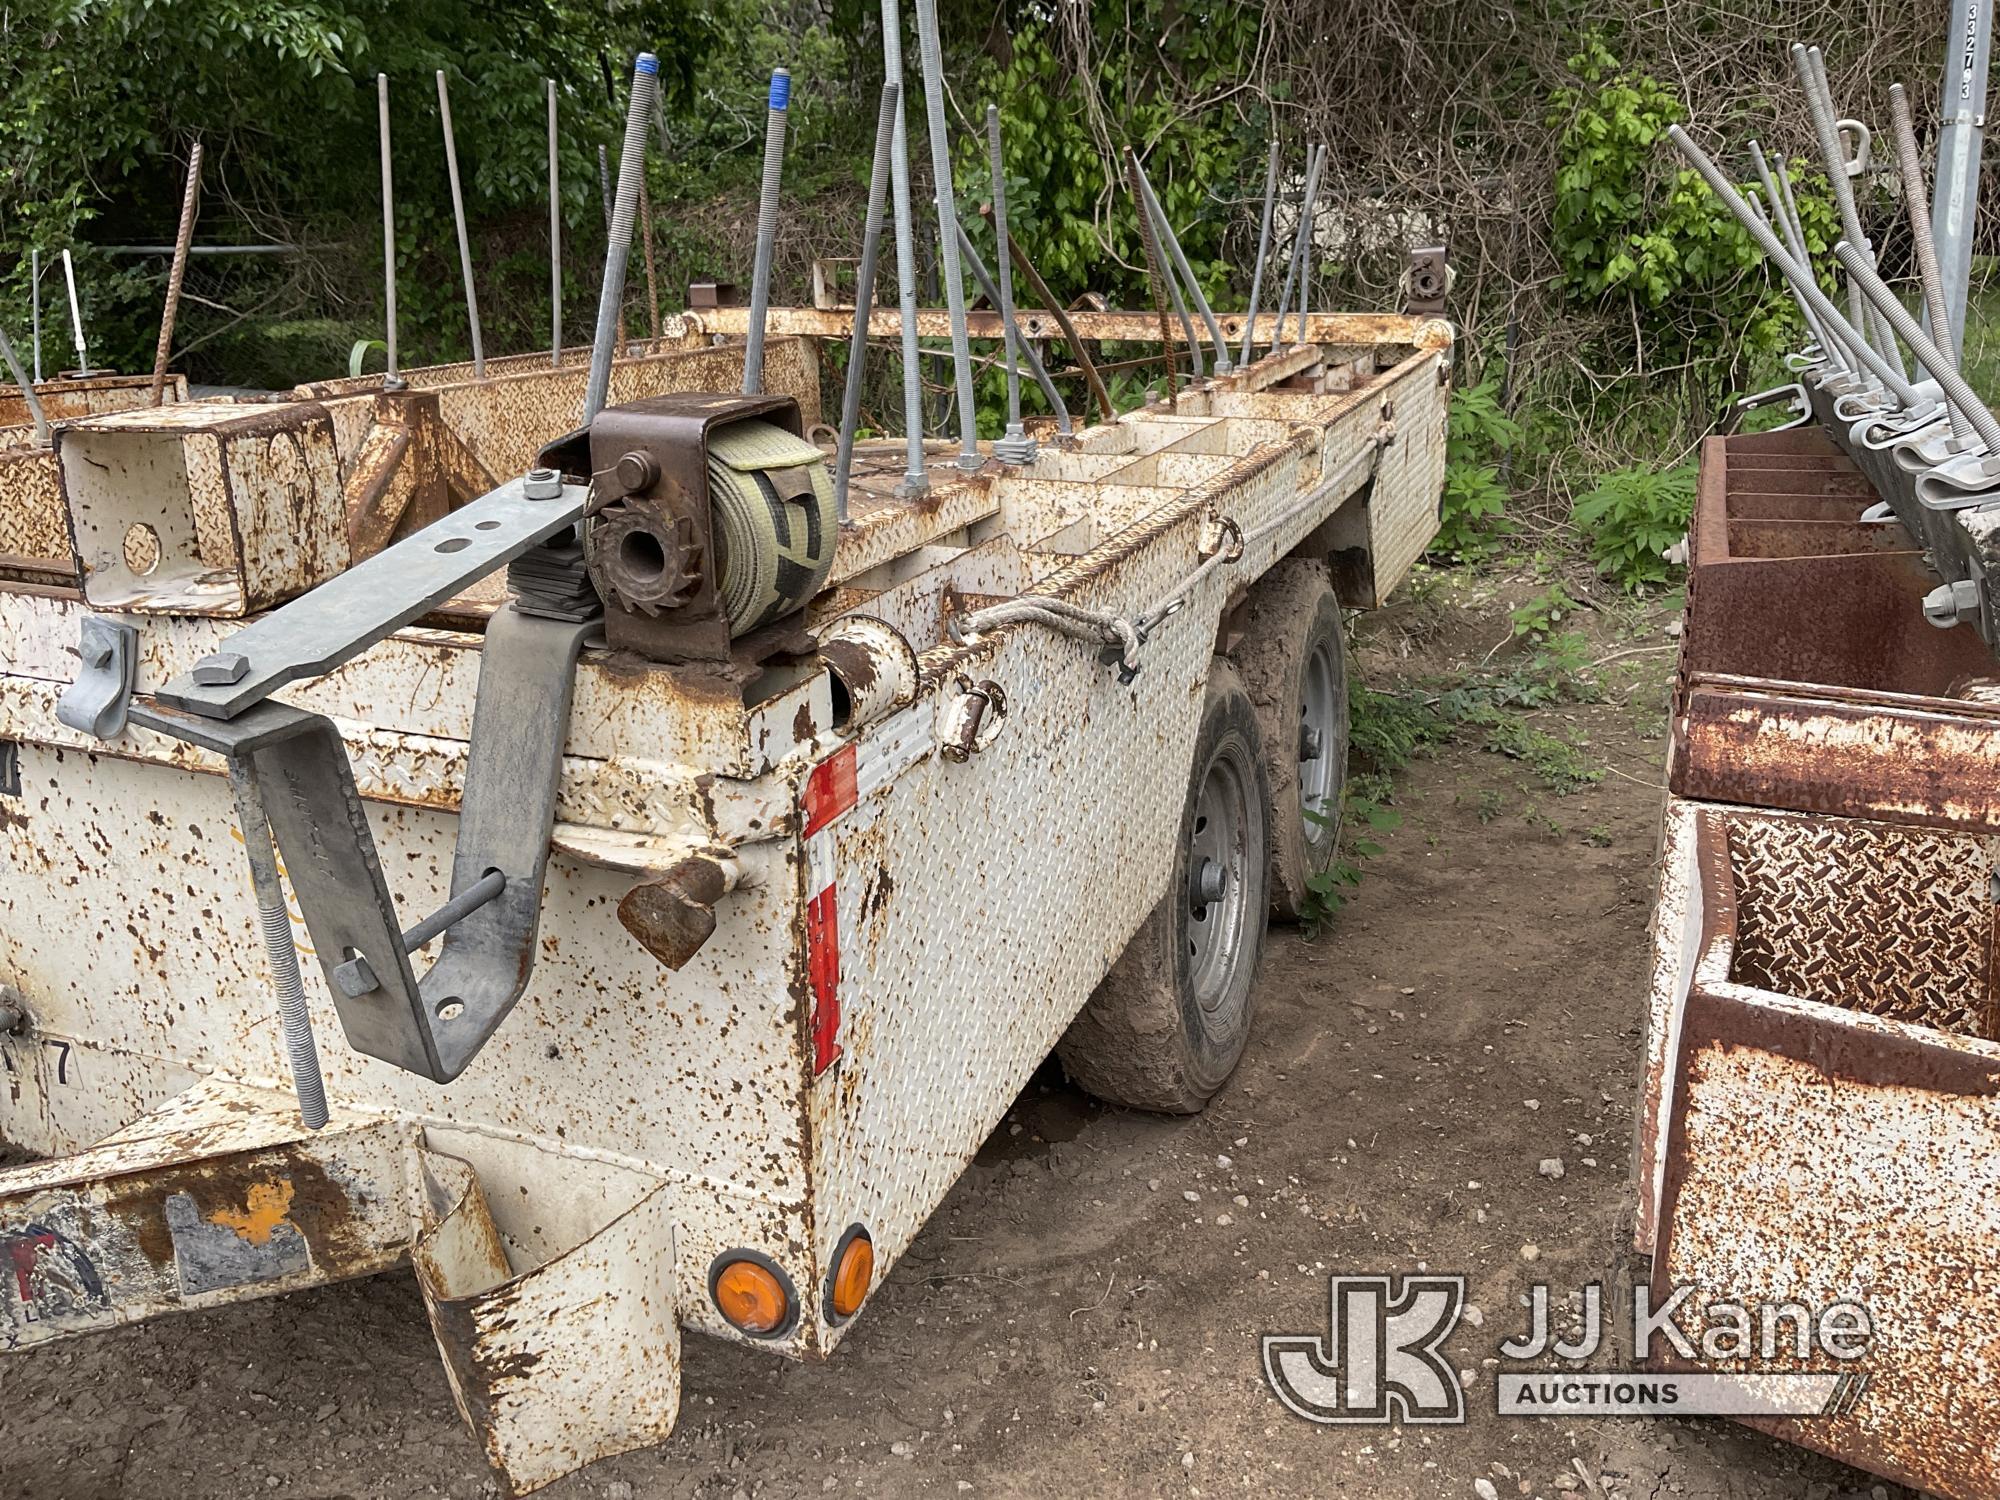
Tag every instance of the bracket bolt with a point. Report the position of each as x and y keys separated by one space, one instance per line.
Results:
x=637 y=471
x=543 y=484
x=221 y=668
x=1952 y=604
x=356 y=978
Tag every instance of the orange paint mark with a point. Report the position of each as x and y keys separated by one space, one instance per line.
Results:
x=268 y=1202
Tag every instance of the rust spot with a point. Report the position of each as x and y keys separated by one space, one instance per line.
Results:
x=265 y=1208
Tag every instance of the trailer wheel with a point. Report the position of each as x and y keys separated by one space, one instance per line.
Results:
x=1294 y=663
x=1166 y=1027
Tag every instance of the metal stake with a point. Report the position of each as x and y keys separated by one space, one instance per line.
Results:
x=391 y=380
x=1910 y=167
x=864 y=293
x=1796 y=245
x=275 y=922
x=190 y=199
x=646 y=241
x=1015 y=446
x=555 y=239
x=631 y=162
x=35 y=306
x=914 y=482
x=1305 y=245
x=458 y=217
x=1292 y=264
x=767 y=230
x=75 y=315
x=28 y=392
x=1957 y=392
x=1962 y=115
x=1150 y=232
x=1800 y=276
x=1151 y=204
x=1263 y=246
x=932 y=52
x=1035 y=367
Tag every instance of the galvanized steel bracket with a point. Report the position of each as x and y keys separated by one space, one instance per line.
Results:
x=95 y=703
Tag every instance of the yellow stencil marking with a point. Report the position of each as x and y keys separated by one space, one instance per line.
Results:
x=268 y=1203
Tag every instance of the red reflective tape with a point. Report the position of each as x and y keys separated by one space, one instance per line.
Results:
x=830 y=790
x=823 y=974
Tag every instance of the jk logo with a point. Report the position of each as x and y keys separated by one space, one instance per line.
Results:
x=1379 y=1360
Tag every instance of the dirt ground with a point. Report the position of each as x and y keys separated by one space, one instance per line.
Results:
x=1081 y=1318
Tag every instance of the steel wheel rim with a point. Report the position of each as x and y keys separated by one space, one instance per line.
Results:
x=1218 y=883
x=1319 y=722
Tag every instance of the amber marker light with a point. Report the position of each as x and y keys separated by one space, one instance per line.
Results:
x=751 y=1293
x=853 y=1273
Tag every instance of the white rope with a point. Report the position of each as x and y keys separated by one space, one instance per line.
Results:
x=1129 y=634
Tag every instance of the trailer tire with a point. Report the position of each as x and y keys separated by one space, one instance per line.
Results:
x=1165 y=1028
x=1293 y=658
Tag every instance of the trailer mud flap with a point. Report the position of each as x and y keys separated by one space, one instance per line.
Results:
x=1815 y=1154
x=570 y=1361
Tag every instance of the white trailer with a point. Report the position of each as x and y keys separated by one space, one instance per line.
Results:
x=790 y=923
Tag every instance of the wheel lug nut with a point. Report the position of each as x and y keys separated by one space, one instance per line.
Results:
x=1210 y=881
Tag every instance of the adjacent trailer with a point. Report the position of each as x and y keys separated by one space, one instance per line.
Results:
x=658 y=935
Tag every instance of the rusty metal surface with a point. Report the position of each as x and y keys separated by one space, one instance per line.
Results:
x=1813 y=1152
x=220 y=1196
x=63 y=399
x=1325 y=329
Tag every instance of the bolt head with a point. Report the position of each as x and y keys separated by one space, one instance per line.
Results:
x=543 y=484
x=356 y=978
x=221 y=669
x=637 y=472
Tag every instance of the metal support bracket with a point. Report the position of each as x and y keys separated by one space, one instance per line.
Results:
x=95 y=704
x=436 y=1025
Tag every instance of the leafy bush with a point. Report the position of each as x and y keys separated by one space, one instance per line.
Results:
x=1473 y=507
x=1632 y=517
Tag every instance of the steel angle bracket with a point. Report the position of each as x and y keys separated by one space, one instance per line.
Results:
x=436 y=1025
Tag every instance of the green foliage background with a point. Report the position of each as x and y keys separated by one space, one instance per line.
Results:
x=1609 y=307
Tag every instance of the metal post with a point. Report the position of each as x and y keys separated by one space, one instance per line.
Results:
x=767 y=230
x=932 y=52
x=1910 y=168
x=1015 y=446
x=35 y=306
x=1284 y=308
x=458 y=217
x=1179 y=261
x=864 y=294
x=1801 y=276
x=915 y=482
x=1150 y=232
x=1956 y=391
x=75 y=314
x=391 y=380
x=631 y=162
x=183 y=236
x=555 y=238
x=1962 y=122
x=275 y=922
x=1307 y=245
x=1835 y=356
x=1040 y=289
x=1035 y=366
x=1263 y=246
x=28 y=391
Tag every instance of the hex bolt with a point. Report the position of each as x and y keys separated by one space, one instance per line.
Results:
x=221 y=668
x=542 y=484
x=1952 y=604
x=356 y=978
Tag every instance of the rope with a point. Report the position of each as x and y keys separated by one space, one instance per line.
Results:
x=1103 y=627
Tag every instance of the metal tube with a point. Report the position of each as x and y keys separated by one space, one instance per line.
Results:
x=1035 y=367
x=1263 y=245
x=75 y=314
x=1811 y=68
x=1180 y=264
x=1054 y=309
x=1911 y=168
x=646 y=242
x=555 y=238
x=611 y=298
x=604 y=183
x=864 y=293
x=1962 y=122
x=28 y=391
x=276 y=925
x=1957 y=392
x=1304 y=250
x=458 y=218
x=390 y=378
x=1832 y=351
x=1154 y=286
x=35 y=307
x=931 y=52
x=1284 y=308
x=914 y=480
x=190 y=200
x=1150 y=229
x=767 y=230
x=1015 y=447
x=1801 y=276
x=1826 y=341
